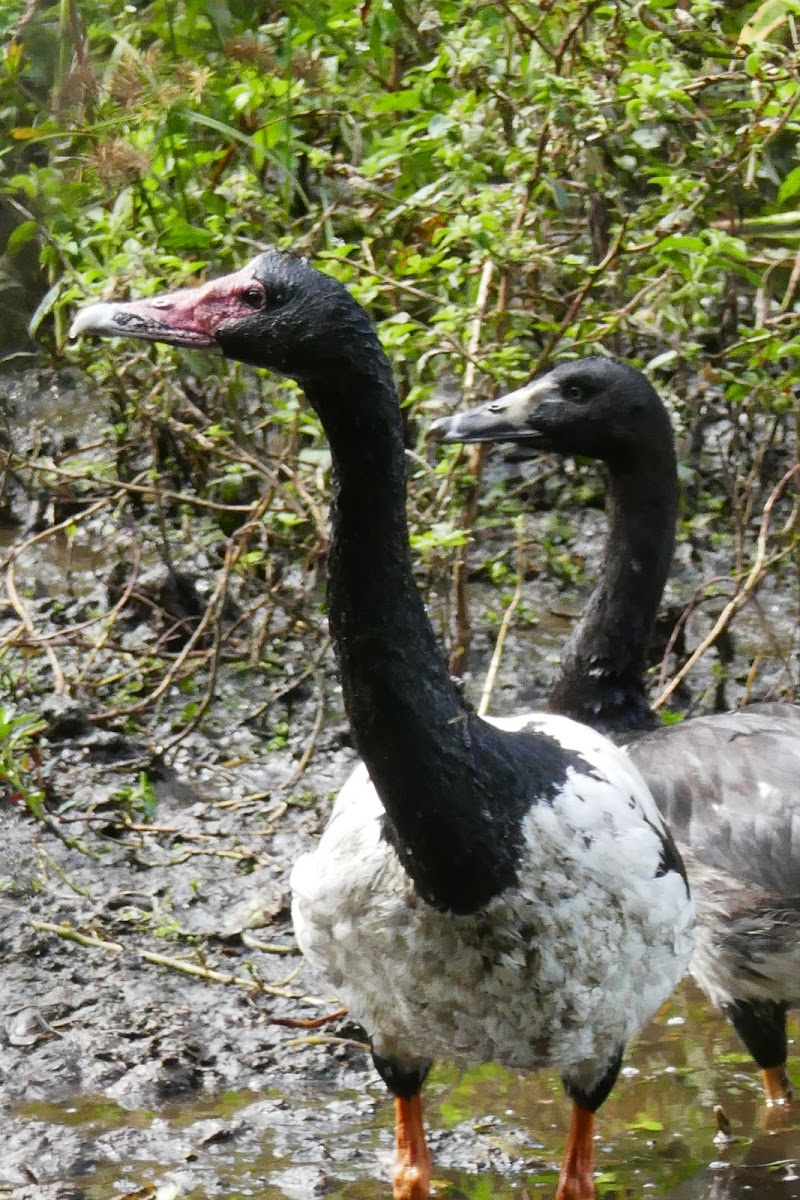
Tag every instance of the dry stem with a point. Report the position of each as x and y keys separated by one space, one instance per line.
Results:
x=759 y=568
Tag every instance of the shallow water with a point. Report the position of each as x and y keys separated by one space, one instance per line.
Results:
x=63 y=566
x=493 y=1134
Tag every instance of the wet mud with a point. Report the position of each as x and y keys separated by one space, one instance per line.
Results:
x=160 y=1035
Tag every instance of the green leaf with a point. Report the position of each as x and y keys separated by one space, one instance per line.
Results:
x=21 y=236
x=440 y=123
x=786 y=220
x=765 y=20
x=183 y=236
x=646 y=1125
x=396 y=101
x=681 y=242
x=45 y=306
x=661 y=360
x=790 y=186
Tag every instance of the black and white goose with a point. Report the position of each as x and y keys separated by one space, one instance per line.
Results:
x=728 y=784
x=506 y=891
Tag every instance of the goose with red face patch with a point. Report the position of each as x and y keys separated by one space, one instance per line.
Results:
x=501 y=891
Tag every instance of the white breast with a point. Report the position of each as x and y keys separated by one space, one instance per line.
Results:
x=559 y=970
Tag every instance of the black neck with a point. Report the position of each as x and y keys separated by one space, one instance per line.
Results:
x=603 y=665
x=431 y=760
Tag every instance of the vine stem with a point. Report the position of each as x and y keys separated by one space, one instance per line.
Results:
x=59 y=682
x=505 y=624
x=461 y=623
x=94 y=942
x=754 y=577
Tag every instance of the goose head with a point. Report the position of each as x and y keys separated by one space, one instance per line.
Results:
x=593 y=407
x=277 y=312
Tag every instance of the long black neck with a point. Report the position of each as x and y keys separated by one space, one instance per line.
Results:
x=394 y=679
x=601 y=681
x=437 y=768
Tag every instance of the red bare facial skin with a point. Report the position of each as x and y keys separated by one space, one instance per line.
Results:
x=189 y=317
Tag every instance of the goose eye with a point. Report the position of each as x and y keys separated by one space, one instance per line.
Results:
x=574 y=392
x=253 y=297
x=495 y=406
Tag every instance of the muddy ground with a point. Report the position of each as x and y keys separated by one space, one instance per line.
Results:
x=159 y=1034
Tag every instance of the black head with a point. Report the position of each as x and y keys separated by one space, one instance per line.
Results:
x=277 y=312
x=595 y=407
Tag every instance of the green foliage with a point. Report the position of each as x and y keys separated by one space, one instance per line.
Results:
x=647 y=154
x=19 y=760
x=139 y=801
x=279 y=737
x=497 y=183
x=646 y=1125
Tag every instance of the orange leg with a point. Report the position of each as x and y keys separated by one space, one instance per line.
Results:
x=777 y=1087
x=576 y=1181
x=412 y=1167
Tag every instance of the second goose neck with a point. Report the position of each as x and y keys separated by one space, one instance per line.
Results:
x=602 y=676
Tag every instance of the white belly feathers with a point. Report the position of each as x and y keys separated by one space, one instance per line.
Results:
x=558 y=970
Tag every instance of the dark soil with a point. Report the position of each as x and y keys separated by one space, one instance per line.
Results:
x=120 y=1071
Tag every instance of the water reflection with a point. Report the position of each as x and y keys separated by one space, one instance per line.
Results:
x=494 y=1136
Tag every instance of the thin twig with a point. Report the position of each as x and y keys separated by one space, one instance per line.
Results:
x=293 y=683
x=308 y=1022
x=73 y=519
x=462 y=632
x=232 y=552
x=111 y=618
x=575 y=305
x=326 y=1039
x=59 y=682
x=146 y=491
x=505 y=624
x=214 y=605
x=760 y=565
x=94 y=942
x=312 y=741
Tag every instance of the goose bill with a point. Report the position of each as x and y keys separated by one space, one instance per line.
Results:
x=190 y=317
x=510 y=418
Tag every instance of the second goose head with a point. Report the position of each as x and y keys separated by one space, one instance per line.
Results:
x=593 y=407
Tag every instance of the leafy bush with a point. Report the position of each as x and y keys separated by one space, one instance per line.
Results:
x=498 y=183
